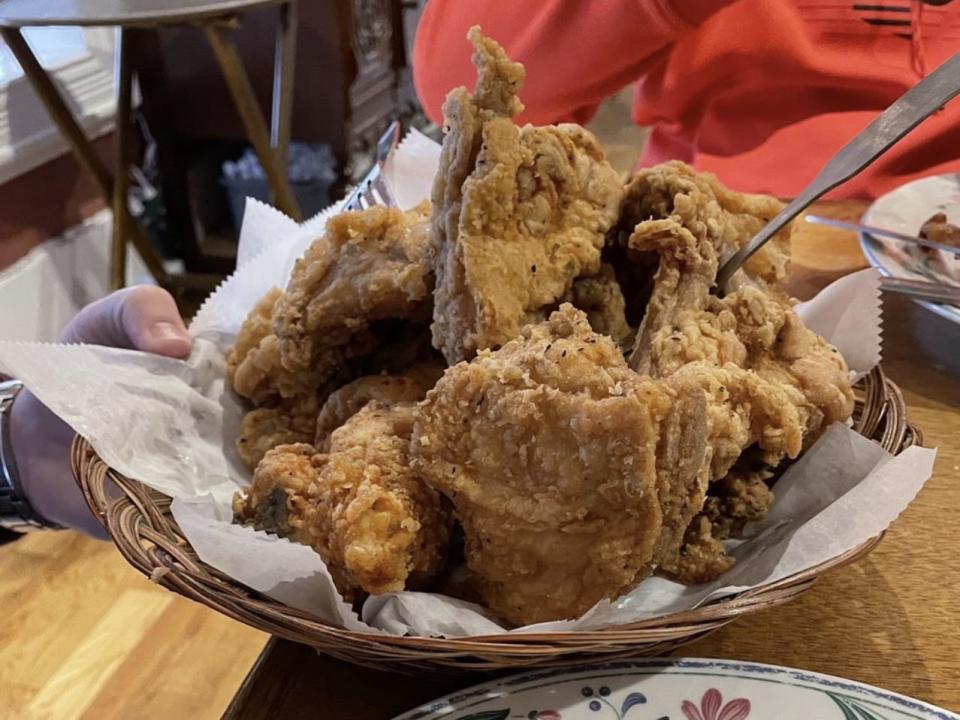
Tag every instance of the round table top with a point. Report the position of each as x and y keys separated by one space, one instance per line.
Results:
x=129 y=13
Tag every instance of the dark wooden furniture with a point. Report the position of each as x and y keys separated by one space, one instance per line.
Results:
x=217 y=19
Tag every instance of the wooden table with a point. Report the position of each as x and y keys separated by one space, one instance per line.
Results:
x=892 y=620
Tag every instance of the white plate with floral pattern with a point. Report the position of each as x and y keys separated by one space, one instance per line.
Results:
x=673 y=689
x=905 y=209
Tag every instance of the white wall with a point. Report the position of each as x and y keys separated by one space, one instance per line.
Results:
x=41 y=292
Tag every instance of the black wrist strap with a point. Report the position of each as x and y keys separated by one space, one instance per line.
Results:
x=15 y=512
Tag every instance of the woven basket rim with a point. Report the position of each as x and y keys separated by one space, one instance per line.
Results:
x=140 y=524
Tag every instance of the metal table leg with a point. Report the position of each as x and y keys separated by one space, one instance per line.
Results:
x=118 y=247
x=283 y=74
x=53 y=102
x=245 y=100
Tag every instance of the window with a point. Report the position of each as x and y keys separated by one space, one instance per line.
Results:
x=81 y=61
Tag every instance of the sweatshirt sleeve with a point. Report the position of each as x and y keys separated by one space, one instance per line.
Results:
x=576 y=52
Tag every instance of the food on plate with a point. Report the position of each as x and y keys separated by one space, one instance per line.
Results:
x=547 y=450
x=375 y=523
x=939 y=230
x=369 y=266
x=591 y=411
x=518 y=212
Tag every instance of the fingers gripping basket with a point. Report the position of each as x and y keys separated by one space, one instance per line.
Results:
x=140 y=523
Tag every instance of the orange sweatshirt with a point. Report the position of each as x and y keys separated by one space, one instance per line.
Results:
x=760 y=92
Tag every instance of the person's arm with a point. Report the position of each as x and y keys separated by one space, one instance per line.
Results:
x=576 y=52
x=142 y=318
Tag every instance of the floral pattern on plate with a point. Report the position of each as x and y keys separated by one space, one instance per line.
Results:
x=664 y=689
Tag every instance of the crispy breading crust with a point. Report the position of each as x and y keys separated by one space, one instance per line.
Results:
x=375 y=523
x=547 y=449
x=371 y=265
x=518 y=213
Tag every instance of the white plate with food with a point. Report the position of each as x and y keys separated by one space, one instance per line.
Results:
x=927 y=208
x=667 y=689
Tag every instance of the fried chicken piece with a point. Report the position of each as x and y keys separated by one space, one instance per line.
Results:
x=742 y=496
x=768 y=380
x=518 y=213
x=937 y=229
x=369 y=266
x=713 y=342
x=547 y=449
x=276 y=501
x=280 y=501
x=253 y=363
x=703 y=557
x=410 y=386
x=711 y=211
x=754 y=346
x=739 y=498
x=377 y=526
x=599 y=296
x=283 y=423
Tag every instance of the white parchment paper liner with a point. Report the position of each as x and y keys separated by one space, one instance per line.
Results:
x=171 y=424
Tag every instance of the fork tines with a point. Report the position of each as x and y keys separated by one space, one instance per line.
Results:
x=372 y=190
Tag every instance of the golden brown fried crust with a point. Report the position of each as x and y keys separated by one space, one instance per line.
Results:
x=599 y=296
x=711 y=212
x=374 y=511
x=547 y=449
x=703 y=557
x=760 y=347
x=518 y=213
x=742 y=496
x=410 y=386
x=739 y=498
x=377 y=526
x=253 y=363
x=370 y=265
x=283 y=423
x=290 y=469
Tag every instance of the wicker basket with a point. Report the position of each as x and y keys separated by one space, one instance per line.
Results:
x=140 y=523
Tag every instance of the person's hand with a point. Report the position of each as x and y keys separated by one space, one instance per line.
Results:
x=141 y=318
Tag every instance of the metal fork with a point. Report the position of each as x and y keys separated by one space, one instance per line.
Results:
x=922 y=290
x=374 y=188
x=927 y=96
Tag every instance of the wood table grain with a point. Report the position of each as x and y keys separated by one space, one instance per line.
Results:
x=892 y=619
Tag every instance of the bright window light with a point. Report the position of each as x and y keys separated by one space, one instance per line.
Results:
x=53 y=46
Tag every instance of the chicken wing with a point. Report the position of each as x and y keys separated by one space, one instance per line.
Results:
x=547 y=449
x=518 y=213
x=377 y=526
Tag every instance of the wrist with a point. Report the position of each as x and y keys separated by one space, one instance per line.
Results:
x=28 y=447
x=16 y=512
